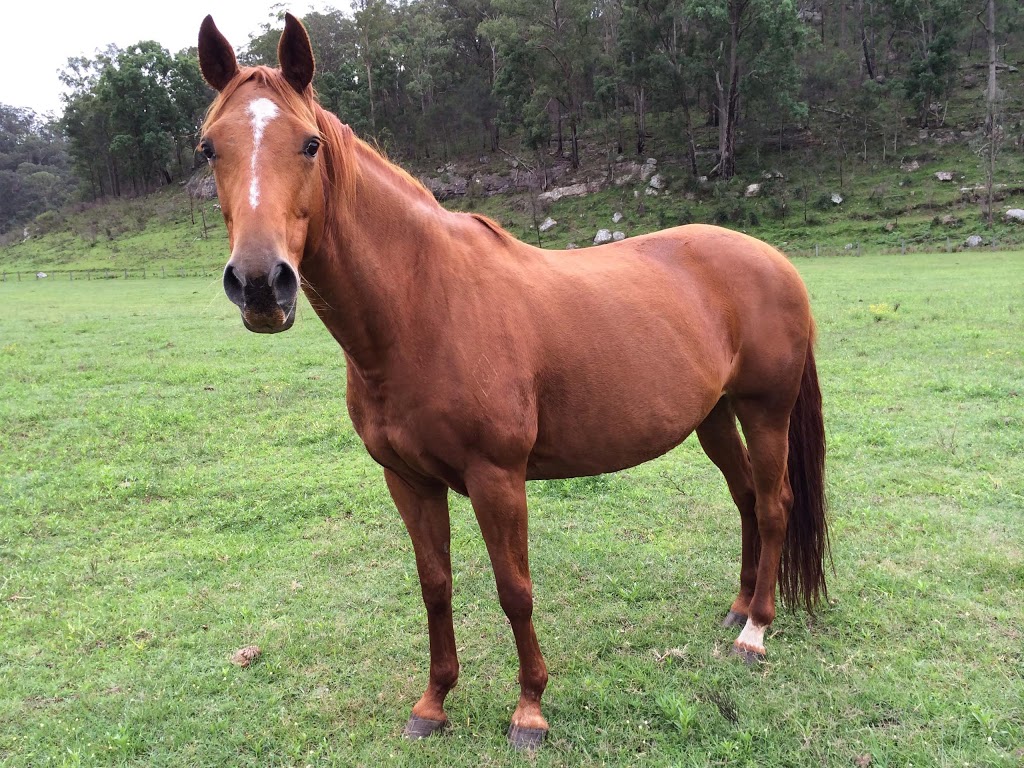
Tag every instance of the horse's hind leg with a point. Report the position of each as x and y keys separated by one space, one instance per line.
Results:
x=766 y=427
x=424 y=511
x=721 y=442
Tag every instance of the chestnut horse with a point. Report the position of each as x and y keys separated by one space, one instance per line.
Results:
x=476 y=362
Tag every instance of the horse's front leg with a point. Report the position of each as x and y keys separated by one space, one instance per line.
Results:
x=424 y=509
x=499 y=500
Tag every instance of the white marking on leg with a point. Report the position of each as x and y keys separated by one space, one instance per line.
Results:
x=261 y=111
x=752 y=636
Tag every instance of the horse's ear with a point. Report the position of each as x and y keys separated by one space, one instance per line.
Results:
x=295 y=54
x=216 y=57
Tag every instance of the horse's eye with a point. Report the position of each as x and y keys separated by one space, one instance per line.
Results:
x=311 y=147
x=207 y=149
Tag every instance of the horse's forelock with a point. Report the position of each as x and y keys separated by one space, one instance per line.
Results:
x=303 y=104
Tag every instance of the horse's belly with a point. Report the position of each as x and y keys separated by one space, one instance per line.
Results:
x=591 y=440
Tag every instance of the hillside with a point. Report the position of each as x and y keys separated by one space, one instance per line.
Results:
x=889 y=203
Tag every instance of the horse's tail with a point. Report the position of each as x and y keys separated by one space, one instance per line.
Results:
x=802 y=571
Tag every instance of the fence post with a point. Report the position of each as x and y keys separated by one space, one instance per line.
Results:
x=19 y=277
x=948 y=248
x=126 y=274
x=163 y=272
x=903 y=247
x=816 y=250
x=71 y=274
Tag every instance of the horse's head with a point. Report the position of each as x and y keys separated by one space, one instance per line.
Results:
x=262 y=140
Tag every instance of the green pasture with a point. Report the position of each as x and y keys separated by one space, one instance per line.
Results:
x=173 y=488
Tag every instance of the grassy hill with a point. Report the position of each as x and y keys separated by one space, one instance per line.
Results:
x=891 y=200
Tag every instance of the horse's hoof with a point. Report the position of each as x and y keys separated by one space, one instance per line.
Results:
x=421 y=727
x=734 y=619
x=527 y=739
x=749 y=656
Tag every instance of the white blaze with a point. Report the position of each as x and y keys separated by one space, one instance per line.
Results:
x=261 y=112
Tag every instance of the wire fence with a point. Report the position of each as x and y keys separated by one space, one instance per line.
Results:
x=140 y=273
x=817 y=250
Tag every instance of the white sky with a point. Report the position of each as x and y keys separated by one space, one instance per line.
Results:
x=39 y=39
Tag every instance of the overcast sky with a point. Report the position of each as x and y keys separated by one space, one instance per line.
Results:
x=39 y=39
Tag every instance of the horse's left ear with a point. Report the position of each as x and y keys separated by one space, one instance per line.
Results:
x=295 y=54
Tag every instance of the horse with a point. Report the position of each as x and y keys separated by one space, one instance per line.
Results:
x=476 y=362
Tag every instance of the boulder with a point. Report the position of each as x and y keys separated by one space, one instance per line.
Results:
x=753 y=190
x=973 y=241
x=944 y=175
x=603 y=236
x=837 y=198
x=1015 y=215
x=616 y=236
x=573 y=190
x=657 y=181
x=910 y=167
x=547 y=224
x=616 y=217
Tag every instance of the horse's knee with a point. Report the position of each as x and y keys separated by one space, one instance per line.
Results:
x=516 y=600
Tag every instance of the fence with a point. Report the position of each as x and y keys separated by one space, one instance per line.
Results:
x=141 y=273
x=819 y=250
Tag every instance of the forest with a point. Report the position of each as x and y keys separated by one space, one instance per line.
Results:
x=433 y=80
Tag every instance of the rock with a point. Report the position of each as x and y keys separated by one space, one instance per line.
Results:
x=571 y=246
x=848 y=247
x=973 y=241
x=657 y=182
x=40 y=275
x=646 y=171
x=703 y=179
x=950 y=220
x=910 y=167
x=1015 y=215
x=626 y=173
x=944 y=175
x=651 y=161
x=547 y=224
x=603 y=236
x=573 y=190
x=837 y=198
x=651 y=192
x=616 y=217
x=245 y=657
x=202 y=186
x=753 y=190
x=616 y=236
x=890 y=226
x=769 y=175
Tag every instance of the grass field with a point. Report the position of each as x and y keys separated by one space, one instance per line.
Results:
x=173 y=488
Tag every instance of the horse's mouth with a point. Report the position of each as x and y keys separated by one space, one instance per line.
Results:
x=275 y=321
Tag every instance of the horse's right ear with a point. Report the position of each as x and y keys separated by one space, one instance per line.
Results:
x=216 y=57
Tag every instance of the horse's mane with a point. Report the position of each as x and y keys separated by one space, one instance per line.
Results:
x=339 y=144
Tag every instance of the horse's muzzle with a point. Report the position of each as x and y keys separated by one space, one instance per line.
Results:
x=266 y=298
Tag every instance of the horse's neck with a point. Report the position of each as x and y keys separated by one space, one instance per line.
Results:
x=377 y=260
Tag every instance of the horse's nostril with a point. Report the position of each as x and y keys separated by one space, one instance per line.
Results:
x=284 y=283
x=234 y=285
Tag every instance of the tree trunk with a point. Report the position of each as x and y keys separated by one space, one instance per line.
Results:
x=729 y=95
x=991 y=96
x=640 y=113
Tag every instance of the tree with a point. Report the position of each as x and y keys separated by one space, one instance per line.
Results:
x=746 y=40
